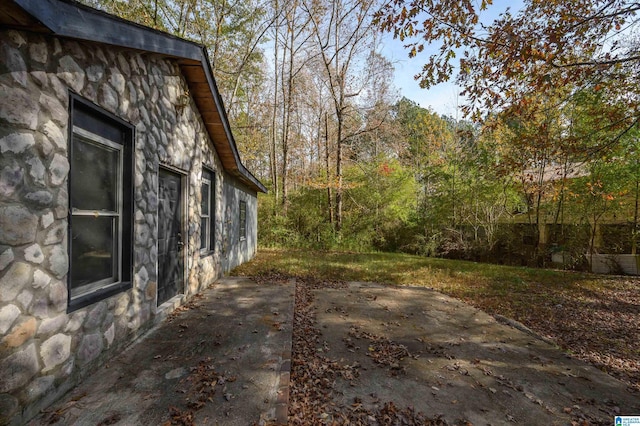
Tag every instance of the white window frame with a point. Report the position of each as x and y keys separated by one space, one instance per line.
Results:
x=242 y=232
x=208 y=228
x=91 y=138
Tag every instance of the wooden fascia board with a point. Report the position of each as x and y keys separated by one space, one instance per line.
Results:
x=247 y=176
x=13 y=16
x=220 y=106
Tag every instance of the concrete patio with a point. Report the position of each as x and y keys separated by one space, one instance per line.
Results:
x=225 y=360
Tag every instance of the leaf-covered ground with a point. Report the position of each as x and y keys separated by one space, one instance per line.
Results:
x=595 y=318
x=597 y=321
x=313 y=375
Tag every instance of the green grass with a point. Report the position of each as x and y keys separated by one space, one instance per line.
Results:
x=467 y=280
x=497 y=289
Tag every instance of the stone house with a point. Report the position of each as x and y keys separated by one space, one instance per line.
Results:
x=121 y=191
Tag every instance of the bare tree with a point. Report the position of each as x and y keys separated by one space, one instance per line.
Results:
x=343 y=34
x=294 y=44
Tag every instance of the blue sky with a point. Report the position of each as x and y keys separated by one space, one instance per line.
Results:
x=442 y=98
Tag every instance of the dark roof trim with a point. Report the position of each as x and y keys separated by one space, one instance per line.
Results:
x=67 y=18
x=74 y=20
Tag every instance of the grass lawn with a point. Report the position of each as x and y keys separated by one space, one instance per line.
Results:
x=596 y=318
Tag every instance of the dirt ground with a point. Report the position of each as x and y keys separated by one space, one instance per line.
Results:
x=417 y=350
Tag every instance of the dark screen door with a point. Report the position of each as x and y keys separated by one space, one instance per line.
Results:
x=170 y=243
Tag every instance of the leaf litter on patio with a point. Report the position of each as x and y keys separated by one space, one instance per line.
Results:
x=321 y=377
x=198 y=389
x=314 y=374
x=594 y=318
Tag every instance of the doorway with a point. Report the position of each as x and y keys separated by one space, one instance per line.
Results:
x=170 y=235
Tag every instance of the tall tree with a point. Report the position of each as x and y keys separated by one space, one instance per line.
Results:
x=342 y=30
x=294 y=43
x=545 y=46
x=425 y=134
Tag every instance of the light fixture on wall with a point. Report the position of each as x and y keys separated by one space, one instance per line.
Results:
x=183 y=101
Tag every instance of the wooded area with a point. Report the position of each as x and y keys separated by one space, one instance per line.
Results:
x=546 y=160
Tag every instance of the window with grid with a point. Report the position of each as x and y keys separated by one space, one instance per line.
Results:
x=207 y=212
x=100 y=194
x=243 y=220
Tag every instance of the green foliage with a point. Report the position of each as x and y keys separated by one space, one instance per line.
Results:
x=405 y=269
x=379 y=201
x=439 y=196
x=461 y=200
x=354 y=169
x=305 y=226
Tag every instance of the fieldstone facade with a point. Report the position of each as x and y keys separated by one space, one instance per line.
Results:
x=44 y=350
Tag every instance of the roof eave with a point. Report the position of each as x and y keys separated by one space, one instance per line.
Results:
x=72 y=20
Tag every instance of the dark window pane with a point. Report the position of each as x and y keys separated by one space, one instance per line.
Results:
x=94 y=182
x=204 y=203
x=243 y=219
x=207 y=206
x=92 y=250
x=212 y=225
x=97 y=123
x=204 y=225
x=101 y=195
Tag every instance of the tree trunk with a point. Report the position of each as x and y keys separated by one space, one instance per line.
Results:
x=274 y=133
x=339 y=175
x=328 y=167
x=634 y=232
x=287 y=98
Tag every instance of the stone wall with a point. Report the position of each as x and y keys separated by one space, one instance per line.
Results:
x=43 y=349
x=235 y=249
